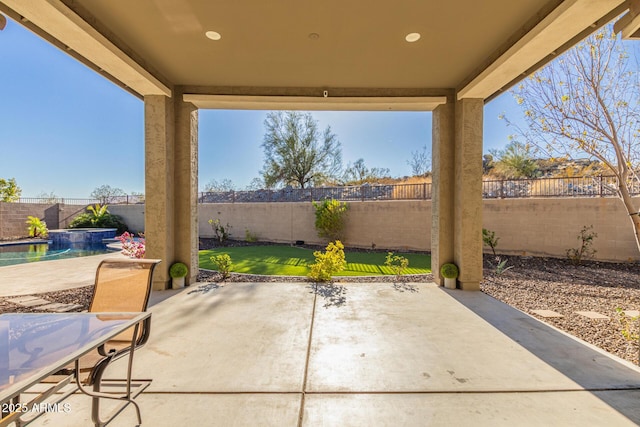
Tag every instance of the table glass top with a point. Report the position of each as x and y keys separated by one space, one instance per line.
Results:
x=33 y=345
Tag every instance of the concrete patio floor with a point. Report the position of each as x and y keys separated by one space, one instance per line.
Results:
x=370 y=354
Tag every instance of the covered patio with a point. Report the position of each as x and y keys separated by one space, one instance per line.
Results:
x=445 y=57
x=291 y=354
x=368 y=354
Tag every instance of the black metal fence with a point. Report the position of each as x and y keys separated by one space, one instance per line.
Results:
x=112 y=200
x=346 y=193
x=592 y=186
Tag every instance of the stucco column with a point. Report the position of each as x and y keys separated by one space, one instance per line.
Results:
x=171 y=171
x=443 y=187
x=467 y=204
x=159 y=129
x=186 y=186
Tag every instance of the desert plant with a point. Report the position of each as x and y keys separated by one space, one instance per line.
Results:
x=586 y=237
x=489 y=238
x=449 y=271
x=330 y=215
x=328 y=263
x=398 y=264
x=630 y=332
x=98 y=217
x=501 y=266
x=223 y=263
x=36 y=227
x=249 y=236
x=221 y=232
x=178 y=269
x=98 y=212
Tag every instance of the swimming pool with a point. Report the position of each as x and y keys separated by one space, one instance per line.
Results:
x=22 y=253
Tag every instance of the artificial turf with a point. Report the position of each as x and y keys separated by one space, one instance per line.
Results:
x=284 y=260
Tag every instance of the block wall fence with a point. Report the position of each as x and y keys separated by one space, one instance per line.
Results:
x=13 y=216
x=535 y=226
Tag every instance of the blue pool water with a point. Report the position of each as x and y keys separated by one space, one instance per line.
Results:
x=22 y=253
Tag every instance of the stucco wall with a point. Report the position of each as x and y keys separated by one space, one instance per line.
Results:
x=551 y=226
x=132 y=215
x=525 y=226
x=392 y=225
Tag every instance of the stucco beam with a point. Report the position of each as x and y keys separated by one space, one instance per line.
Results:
x=556 y=32
x=58 y=21
x=315 y=103
x=629 y=24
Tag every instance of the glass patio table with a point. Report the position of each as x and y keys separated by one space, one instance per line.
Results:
x=35 y=346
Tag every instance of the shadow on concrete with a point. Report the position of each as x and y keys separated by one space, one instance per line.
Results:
x=205 y=288
x=617 y=383
x=334 y=295
x=405 y=287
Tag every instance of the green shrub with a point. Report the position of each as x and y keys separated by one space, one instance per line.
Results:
x=330 y=215
x=98 y=217
x=586 y=238
x=328 y=263
x=449 y=271
x=36 y=227
x=489 y=238
x=249 y=236
x=223 y=263
x=221 y=232
x=396 y=263
x=178 y=269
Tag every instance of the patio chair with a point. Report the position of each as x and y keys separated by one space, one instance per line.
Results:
x=122 y=286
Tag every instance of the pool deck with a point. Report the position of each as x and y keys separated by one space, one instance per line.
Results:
x=47 y=276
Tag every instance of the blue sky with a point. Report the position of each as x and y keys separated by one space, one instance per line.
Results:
x=66 y=130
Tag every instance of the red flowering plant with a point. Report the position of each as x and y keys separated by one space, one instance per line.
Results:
x=133 y=247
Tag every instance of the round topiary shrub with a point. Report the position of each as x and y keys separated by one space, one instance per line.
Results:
x=449 y=271
x=178 y=269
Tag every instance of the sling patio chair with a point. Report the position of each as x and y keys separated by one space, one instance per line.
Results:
x=122 y=286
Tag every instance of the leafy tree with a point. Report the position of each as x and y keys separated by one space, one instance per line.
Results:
x=215 y=186
x=487 y=163
x=514 y=161
x=106 y=194
x=420 y=161
x=296 y=153
x=9 y=190
x=587 y=101
x=358 y=173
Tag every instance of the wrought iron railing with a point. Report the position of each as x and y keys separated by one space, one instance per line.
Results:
x=591 y=186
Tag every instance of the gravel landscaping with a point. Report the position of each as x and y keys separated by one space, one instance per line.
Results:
x=532 y=284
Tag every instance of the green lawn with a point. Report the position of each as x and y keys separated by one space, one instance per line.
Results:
x=293 y=261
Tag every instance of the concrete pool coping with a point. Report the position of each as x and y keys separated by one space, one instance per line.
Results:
x=49 y=276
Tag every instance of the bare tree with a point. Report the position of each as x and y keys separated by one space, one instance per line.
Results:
x=420 y=161
x=587 y=101
x=358 y=173
x=107 y=194
x=214 y=185
x=295 y=152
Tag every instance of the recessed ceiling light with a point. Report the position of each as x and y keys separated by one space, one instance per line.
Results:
x=412 y=37
x=213 y=35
